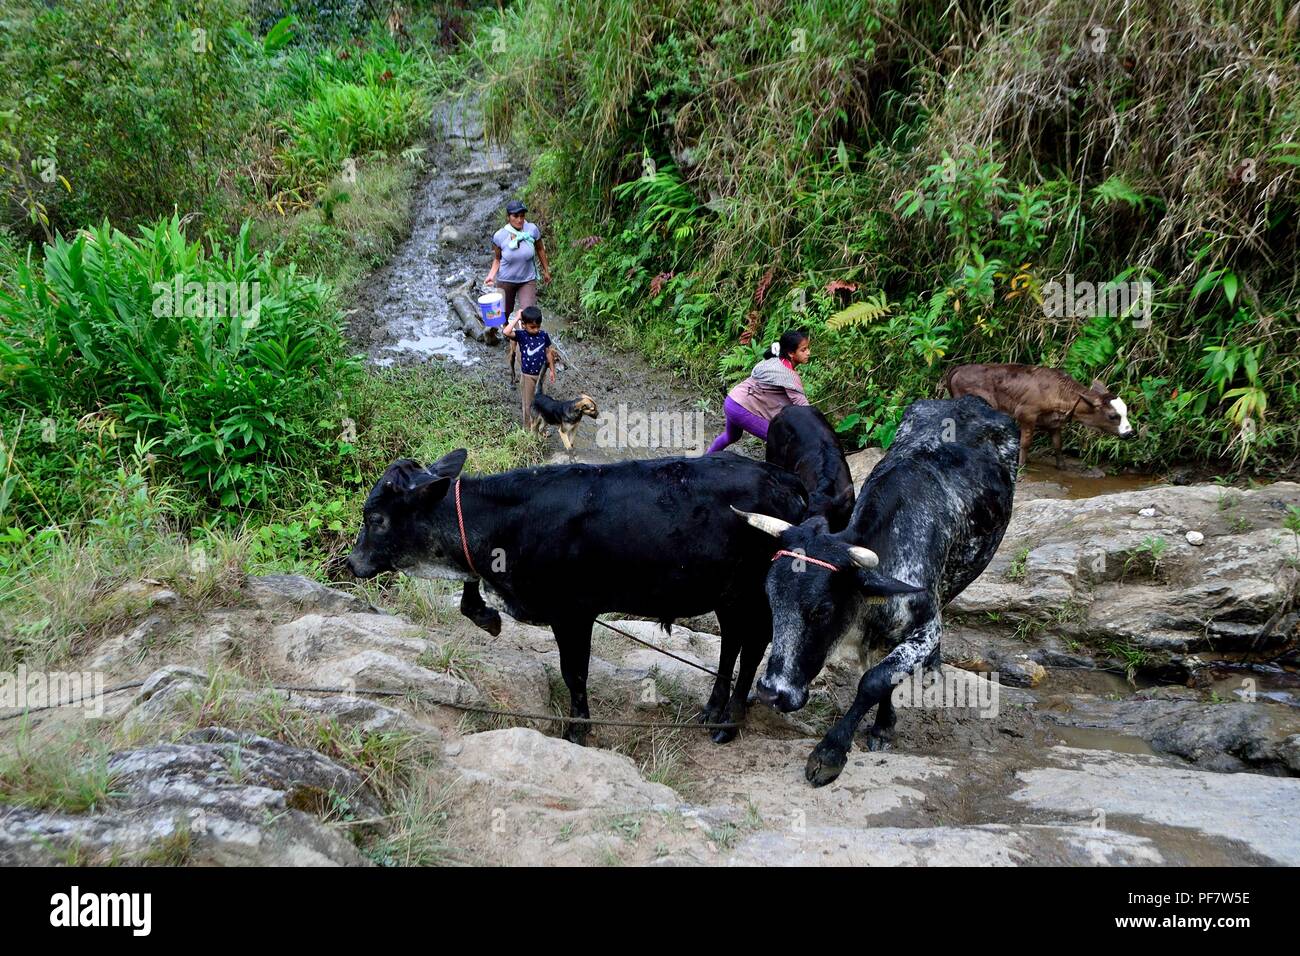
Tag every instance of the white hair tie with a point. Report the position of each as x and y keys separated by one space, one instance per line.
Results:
x=774 y=348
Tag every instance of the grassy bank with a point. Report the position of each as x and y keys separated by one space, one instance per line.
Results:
x=907 y=179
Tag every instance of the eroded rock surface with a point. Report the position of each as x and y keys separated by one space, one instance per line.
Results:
x=213 y=797
x=1101 y=571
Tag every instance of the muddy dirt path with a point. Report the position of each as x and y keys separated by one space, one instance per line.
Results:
x=403 y=313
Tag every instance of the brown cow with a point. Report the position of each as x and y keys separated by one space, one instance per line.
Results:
x=1038 y=397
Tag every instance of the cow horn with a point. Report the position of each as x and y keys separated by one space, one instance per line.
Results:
x=863 y=557
x=773 y=526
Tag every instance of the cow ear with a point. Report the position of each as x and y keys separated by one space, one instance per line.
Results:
x=428 y=493
x=817 y=524
x=879 y=588
x=1092 y=397
x=449 y=465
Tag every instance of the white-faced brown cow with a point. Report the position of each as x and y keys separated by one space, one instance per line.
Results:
x=1045 y=398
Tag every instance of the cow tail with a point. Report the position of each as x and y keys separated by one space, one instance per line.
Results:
x=945 y=384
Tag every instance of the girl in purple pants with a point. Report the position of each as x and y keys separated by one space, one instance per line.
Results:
x=773 y=385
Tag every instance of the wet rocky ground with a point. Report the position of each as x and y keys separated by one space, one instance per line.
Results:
x=1060 y=745
x=1040 y=771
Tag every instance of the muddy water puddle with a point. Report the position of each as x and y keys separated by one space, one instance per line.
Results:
x=1062 y=680
x=1088 y=738
x=1074 y=484
x=1251 y=682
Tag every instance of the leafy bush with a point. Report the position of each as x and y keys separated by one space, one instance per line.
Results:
x=346 y=103
x=231 y=390
x=115 y=110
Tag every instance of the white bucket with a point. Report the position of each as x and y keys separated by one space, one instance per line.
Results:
x=492 y=308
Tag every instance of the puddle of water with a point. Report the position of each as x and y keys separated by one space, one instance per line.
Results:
x=1087 y=738
x=1082 y=680
x=429 y=341
x=1078 y=485
x=1250 y=683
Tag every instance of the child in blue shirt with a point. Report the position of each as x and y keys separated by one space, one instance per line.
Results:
x=535 y=353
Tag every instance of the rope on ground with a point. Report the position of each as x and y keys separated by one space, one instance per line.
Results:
x=497 y=712
x=116 y=688
x=630 y=637
x=411 y=694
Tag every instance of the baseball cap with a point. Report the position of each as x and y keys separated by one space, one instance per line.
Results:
x=514 y=206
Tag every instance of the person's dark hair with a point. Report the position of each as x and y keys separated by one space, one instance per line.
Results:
x=788 y=344
x=534 y=314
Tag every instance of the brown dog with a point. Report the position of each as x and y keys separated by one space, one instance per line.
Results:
x=1038 y=397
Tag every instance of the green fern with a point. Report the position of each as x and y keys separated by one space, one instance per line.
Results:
x=1115 y=190
x=1094 y=346
x=736 y=364
x=860 y=313
x=667 y=203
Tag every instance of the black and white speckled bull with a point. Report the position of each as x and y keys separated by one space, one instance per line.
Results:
x=935 y=510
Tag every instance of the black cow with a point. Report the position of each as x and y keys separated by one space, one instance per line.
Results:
x=559 y=545
x=801 y=440
x=936 y=508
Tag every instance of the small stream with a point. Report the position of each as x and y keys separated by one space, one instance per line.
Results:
x=403 y=314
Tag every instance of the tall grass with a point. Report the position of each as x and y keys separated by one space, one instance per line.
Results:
x=54 y=774
x=350 y=103
x=62 y=585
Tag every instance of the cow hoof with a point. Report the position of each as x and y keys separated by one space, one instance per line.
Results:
x=824 y=765
x=711 y=714
x=724 y=736
x=489 y=620
x=733 y=713
x=878 y=743
x=576 y=734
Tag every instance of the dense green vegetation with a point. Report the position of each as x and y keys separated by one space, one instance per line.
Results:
x=129 y=112
x=190 y=191
x=905 y=178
